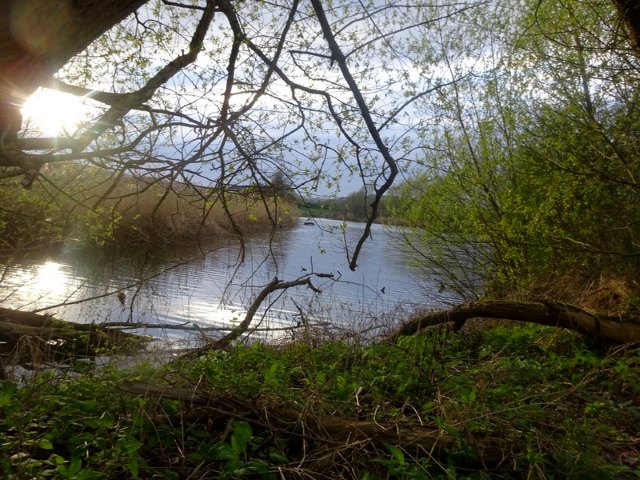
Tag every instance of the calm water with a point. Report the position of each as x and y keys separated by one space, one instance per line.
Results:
x=212 y=289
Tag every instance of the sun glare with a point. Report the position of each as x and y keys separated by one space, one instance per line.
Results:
x=50 y=278
x=53 y=113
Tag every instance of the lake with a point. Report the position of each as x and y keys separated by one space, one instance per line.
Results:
x=208 y=287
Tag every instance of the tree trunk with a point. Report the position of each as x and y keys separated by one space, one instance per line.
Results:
x=38 y=37
x=619 y=329
x=630 y=15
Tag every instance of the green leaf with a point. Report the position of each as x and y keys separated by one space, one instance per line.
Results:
x=6 y=394
x=134 y=467
x=396 y=453
x=130 y=446
x=240 y=437
x=276 y=456
x=45 y=444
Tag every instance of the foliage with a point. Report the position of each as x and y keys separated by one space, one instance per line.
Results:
x=68 y=428
x=223 y=94
x=355 y=207
x=564 y=408
x=518 y=132
x=98 y=208
x=535 y=176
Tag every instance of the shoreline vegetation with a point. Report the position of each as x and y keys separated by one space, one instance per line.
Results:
x=444 y=395
x=504 y=402
x=104 y=209
x=354 y=207
x=29 y=339
x=480 y=398
x=504 y=135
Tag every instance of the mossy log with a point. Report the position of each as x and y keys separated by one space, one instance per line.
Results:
x=612 y=328
x=30 y=337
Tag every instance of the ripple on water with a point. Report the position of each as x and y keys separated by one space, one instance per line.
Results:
x=213 y=290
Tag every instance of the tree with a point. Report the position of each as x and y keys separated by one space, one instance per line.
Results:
x=535 y=175
x=216 y=94
x=37 y=39
x=223 y=93
x=630 y=15
x=40 y=37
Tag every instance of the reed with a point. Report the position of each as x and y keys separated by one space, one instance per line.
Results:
x=100 y=208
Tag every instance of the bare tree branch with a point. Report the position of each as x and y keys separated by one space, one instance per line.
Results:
x=340 y=59
x=272 y=286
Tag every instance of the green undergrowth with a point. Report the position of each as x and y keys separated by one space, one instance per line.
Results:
x=510 y=402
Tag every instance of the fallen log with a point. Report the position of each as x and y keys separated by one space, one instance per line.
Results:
x=28 y=337
x=613 y=328
x=330 y=430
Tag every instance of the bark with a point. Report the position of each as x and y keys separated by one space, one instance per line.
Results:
x=619 y=329
x=27 y=337
x=630 y=14
x=38 y=37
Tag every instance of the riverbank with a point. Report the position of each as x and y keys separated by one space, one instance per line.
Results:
x=41 y=341
x=96 y=207
x=524 y=402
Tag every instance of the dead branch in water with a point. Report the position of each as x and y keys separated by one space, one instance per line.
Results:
x=50 y=338
x=193 y=327
x=272 y=286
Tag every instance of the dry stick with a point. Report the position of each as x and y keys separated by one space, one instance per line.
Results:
x=305 y=325
x=328 y=429
x=623 y=328
x=184 y=395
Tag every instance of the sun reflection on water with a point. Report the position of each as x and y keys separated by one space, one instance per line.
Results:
x=50 y=278
x=31 y=287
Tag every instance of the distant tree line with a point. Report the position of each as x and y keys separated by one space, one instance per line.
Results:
x=354 y=207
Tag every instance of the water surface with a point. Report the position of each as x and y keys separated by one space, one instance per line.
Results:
x=208 y=286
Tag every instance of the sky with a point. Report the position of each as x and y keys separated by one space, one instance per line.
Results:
x=388 y=70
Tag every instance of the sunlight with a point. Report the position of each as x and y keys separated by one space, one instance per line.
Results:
x=36 y=285
x=50 y=278
x=54 y=113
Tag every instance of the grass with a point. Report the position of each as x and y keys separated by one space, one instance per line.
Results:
x=507 y=402
x=99 y=208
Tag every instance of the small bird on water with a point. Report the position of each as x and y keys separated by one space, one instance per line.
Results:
x=122 y=296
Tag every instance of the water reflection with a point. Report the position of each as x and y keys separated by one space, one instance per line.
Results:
x=33 y=286
x=50 y=277
x=212 y=289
